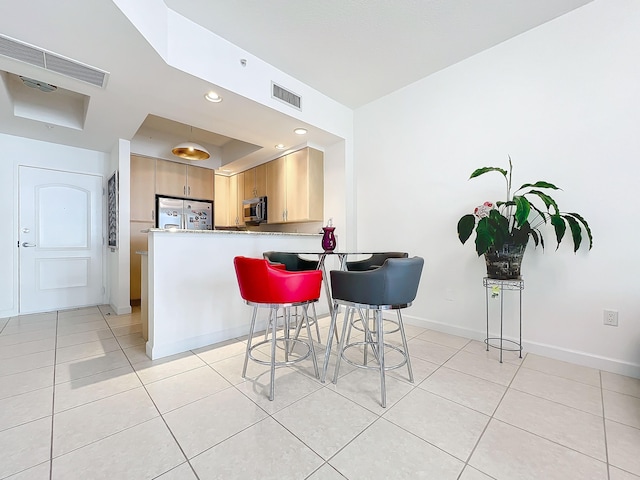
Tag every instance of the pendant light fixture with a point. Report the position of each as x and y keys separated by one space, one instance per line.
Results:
x=190 y=150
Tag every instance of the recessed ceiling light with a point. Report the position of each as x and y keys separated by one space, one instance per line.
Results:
x=280 y=146
x=300 y=131
x=213 y=97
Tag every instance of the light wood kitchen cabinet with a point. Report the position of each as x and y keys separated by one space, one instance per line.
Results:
x=255 y=182
x=143 y=180
x=171 y=178
x=295 y=187
x=138 y=242
x=221 y=203
x=200 y=183
x=181 y=180
x=276 y=190
x=236 y=191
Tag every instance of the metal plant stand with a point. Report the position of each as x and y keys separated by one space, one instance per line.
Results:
x=502 y=285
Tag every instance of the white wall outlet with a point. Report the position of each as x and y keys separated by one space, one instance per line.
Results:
x=449 y=295
x=611 y=318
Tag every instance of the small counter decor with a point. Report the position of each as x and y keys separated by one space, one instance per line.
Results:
x=328 y=237
x=503 y=229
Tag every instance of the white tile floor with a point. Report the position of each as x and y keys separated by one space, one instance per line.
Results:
x=80 y=400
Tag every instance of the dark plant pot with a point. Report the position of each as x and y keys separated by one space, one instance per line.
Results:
x=505 y=263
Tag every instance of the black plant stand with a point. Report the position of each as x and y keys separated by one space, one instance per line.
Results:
x=517 y=285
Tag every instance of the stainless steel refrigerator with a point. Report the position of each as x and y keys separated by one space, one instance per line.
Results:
x=184 y=214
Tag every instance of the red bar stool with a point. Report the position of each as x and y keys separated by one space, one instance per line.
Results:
x=263 y=285
x=292 y=262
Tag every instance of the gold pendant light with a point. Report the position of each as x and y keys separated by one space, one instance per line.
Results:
x=190 y=150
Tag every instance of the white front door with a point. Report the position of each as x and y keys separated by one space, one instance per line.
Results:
x=60 y=222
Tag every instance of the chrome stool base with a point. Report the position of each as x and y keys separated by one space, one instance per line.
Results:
x=273 y=324
x=372 y=340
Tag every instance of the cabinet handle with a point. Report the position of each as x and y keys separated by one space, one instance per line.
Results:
x=189 y=190
x=184 y=190
x=153 y=214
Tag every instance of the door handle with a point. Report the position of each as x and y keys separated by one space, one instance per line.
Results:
x=27 y=244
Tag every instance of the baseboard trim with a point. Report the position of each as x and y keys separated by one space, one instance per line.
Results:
x=586 y=359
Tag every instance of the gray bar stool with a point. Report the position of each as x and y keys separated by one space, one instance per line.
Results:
x=374 y=261
x=393 y=286
x=294 y=263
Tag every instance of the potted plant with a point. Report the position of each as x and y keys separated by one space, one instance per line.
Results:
x=503 y=229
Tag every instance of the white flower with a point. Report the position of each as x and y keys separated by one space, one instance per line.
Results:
x=483 y=210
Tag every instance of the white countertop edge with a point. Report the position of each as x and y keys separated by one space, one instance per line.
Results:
x=226 y=232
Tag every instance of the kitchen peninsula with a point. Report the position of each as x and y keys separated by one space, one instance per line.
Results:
x=191 y=295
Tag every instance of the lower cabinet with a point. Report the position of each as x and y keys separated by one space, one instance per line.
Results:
x=138 y=243
x=221 y=203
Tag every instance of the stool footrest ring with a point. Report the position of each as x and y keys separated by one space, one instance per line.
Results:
x=377 y=366
x=491 y=343
x=280 y=363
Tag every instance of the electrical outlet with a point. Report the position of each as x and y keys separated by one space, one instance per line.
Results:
x=611 y=318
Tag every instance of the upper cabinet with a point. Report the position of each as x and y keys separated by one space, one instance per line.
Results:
x=143 y=180
x=255 y=181
x=276 y=191
x=200 y=183
x=295 y=187
x=180 y=180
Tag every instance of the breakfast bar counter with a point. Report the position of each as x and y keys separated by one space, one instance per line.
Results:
x=192 y=292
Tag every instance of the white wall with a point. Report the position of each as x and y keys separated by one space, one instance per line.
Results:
x=17 y=151
x=118 y=271
x=563 y=101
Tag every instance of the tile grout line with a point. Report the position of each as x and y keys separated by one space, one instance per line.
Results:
x=604 y=428
x=53 y=398
x=491 y=417
x=155 y=406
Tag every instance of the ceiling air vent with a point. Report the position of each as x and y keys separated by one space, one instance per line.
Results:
x=286 y=96
x=49 y=61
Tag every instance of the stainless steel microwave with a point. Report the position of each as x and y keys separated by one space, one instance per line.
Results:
x=254 y=210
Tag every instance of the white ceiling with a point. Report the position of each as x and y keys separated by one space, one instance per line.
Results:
x=353 y=51
x=356 y=51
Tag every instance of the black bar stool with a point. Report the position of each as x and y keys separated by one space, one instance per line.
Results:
x=393 y=286
x=374 y=261
x=294 y=263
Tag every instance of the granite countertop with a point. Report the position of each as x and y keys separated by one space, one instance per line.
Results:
x=226 y=232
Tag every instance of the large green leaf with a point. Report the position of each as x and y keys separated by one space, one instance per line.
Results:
x=560 y=227
x=576 y=231
x=586 y=227
x=522 y=210
x=540 y=184
x=542 y=214
x=534 y=235
x=548 y=201
x=465 y=227
x=541 y=239
x=483 y=170
x=484 y=239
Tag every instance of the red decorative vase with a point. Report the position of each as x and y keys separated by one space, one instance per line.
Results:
x=328 y=239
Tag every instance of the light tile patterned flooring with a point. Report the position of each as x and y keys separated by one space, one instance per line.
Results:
x=80 y=400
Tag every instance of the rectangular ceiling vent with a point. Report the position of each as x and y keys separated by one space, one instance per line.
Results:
x=286 y=96
x=39 y=57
